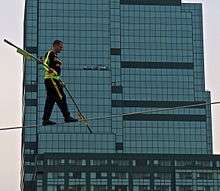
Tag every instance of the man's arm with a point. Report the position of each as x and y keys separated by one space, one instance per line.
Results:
x=52 y=58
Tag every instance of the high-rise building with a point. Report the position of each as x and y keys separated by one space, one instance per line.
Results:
x=120 y=56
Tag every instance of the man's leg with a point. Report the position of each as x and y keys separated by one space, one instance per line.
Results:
x=49 y=103
x=48 y=108
x=62 y=104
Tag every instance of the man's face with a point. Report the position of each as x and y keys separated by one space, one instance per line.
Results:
x=59 y=47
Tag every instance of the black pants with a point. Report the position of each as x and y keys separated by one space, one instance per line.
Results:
x=55 y=94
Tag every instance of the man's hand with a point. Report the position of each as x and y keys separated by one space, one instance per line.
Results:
x=51 y=70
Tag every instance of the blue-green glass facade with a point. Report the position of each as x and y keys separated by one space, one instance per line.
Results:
x=120 y=56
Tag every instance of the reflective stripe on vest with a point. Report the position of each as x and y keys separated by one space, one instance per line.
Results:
x=48 y=74
x=57 y=89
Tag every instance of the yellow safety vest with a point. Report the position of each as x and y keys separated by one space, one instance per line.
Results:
x=48 y=74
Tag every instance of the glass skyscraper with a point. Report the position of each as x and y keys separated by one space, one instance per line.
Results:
x=120 y=56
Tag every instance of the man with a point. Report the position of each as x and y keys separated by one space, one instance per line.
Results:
x=54 y=87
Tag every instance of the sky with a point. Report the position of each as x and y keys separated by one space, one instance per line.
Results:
x=11 y=20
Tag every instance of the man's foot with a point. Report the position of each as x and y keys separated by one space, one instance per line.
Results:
x=70 y=119
x=48 y=122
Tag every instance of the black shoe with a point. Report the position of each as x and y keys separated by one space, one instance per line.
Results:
x=48 y=122
x=70 y=119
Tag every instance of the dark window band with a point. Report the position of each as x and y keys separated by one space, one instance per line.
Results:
x=151 y=2
x=31 y=88
x=163 y=117
x=115 y=51
x=157 y=65
x=32 y=50
x=117 y=89
x=158 y=104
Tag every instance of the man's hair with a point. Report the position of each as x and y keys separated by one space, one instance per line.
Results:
x=57 y=42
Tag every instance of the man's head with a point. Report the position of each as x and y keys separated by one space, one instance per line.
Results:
x=57 y=46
